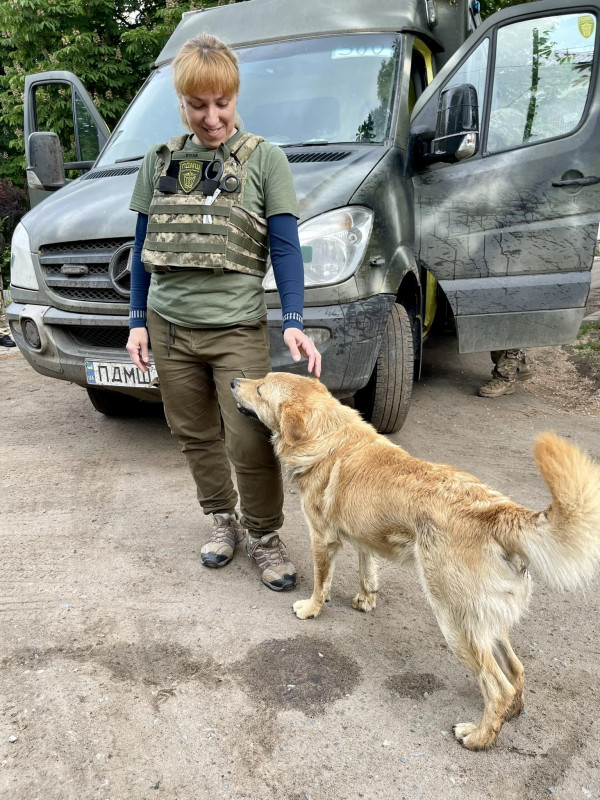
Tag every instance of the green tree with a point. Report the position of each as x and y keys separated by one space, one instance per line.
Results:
x=490 y=6
x=108 y=44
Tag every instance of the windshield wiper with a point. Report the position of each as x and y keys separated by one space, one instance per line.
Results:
x=128 y=158
x=313 y=143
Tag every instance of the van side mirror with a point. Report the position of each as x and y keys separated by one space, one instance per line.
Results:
x=456 y=134
x=45 y=168
x=457 y=127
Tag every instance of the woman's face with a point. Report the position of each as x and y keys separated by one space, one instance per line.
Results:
x=211 y=117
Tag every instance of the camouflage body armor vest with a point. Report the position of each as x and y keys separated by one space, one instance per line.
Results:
x=189 y=230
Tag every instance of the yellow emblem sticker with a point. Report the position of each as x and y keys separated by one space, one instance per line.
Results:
x=586 y=25
x=190 y=175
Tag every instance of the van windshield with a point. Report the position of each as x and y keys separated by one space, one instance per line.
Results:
x=313 y=91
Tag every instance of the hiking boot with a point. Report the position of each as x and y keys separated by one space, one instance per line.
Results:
x=226 y=533
x=268 y=552
x=7 y=341
x=497 y=387
x=524 y=369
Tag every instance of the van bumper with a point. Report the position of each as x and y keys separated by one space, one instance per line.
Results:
x=63 y=349
x=347 y=335
x=517 y=310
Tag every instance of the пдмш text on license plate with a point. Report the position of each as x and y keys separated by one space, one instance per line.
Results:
x=102 y=373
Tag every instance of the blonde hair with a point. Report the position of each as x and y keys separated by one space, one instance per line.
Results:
x=206 y=64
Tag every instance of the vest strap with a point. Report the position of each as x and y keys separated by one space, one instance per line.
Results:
x=242 y=222
x=256 y=264
x=187 y=227
x=246 y=146
x=191 y=208
x=188 y=247
x=251 y=246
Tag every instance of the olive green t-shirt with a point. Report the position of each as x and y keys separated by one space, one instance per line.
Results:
x=199 y=298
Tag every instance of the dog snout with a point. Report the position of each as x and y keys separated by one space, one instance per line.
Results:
x=234 y=383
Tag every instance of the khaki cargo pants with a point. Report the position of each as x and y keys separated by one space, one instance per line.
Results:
x=195 y=367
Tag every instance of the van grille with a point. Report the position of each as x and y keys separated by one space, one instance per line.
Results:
x=88 y=336
x=90 y=271
x=89 y=295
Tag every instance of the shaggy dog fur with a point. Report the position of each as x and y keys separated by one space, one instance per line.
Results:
x=472 y=546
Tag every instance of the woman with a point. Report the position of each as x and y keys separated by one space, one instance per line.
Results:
x=211 y=204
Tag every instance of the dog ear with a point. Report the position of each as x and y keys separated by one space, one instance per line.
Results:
x=292 y=424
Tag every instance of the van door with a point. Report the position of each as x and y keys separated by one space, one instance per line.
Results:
x=508 y=223
x=58 y=102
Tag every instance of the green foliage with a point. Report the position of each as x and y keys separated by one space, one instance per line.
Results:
x=108 y=44
x=4 y=264
x=13 y=204
x=374 y=127
x=366 y=131
x=490 y=6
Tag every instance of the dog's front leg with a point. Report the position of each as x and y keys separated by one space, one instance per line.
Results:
x=366 y=599
x=324 y=552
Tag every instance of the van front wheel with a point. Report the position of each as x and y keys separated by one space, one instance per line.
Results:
x=384 y=401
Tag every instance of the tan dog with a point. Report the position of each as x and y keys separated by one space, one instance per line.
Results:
x=471 y=545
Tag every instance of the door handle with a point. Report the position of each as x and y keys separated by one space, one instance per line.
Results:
x=589 y=181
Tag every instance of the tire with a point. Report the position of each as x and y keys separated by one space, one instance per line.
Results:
x=116 y=404
x=385 y=400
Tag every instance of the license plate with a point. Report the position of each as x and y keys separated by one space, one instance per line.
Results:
x=102 y=373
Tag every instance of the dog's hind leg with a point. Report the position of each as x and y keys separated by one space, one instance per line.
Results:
x=366 y=598
x=474 y=648
x=324 y=551
x=498 y=692
x=513 y=669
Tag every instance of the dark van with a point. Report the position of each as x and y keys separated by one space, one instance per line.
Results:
x=441 y=165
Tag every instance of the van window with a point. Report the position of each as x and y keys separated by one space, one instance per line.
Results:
x=86 y=130
x=152 y=118
x=541 y=79
x=56 y=106
x=418 y=78
x=474 y=72
x=335 y=89
x=331 y=89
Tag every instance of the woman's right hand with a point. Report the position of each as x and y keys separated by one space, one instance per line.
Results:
x=137 y=347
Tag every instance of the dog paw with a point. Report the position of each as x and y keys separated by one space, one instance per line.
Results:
x=305 y=609
x=472 y=737
x=463 y=729
x=364 y=602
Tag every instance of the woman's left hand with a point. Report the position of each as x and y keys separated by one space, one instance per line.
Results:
x=300 y=345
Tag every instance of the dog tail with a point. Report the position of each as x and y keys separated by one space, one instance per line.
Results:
x=564 y=542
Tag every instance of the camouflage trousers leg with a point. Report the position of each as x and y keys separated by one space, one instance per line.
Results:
x=4 y=329
x=506 y=363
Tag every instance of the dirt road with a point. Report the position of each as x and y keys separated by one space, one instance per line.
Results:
x=129 y=672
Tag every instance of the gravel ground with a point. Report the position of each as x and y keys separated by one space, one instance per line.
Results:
x=129 y=672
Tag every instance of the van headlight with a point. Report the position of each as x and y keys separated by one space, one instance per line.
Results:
x=332 y=245
x=22 y=272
